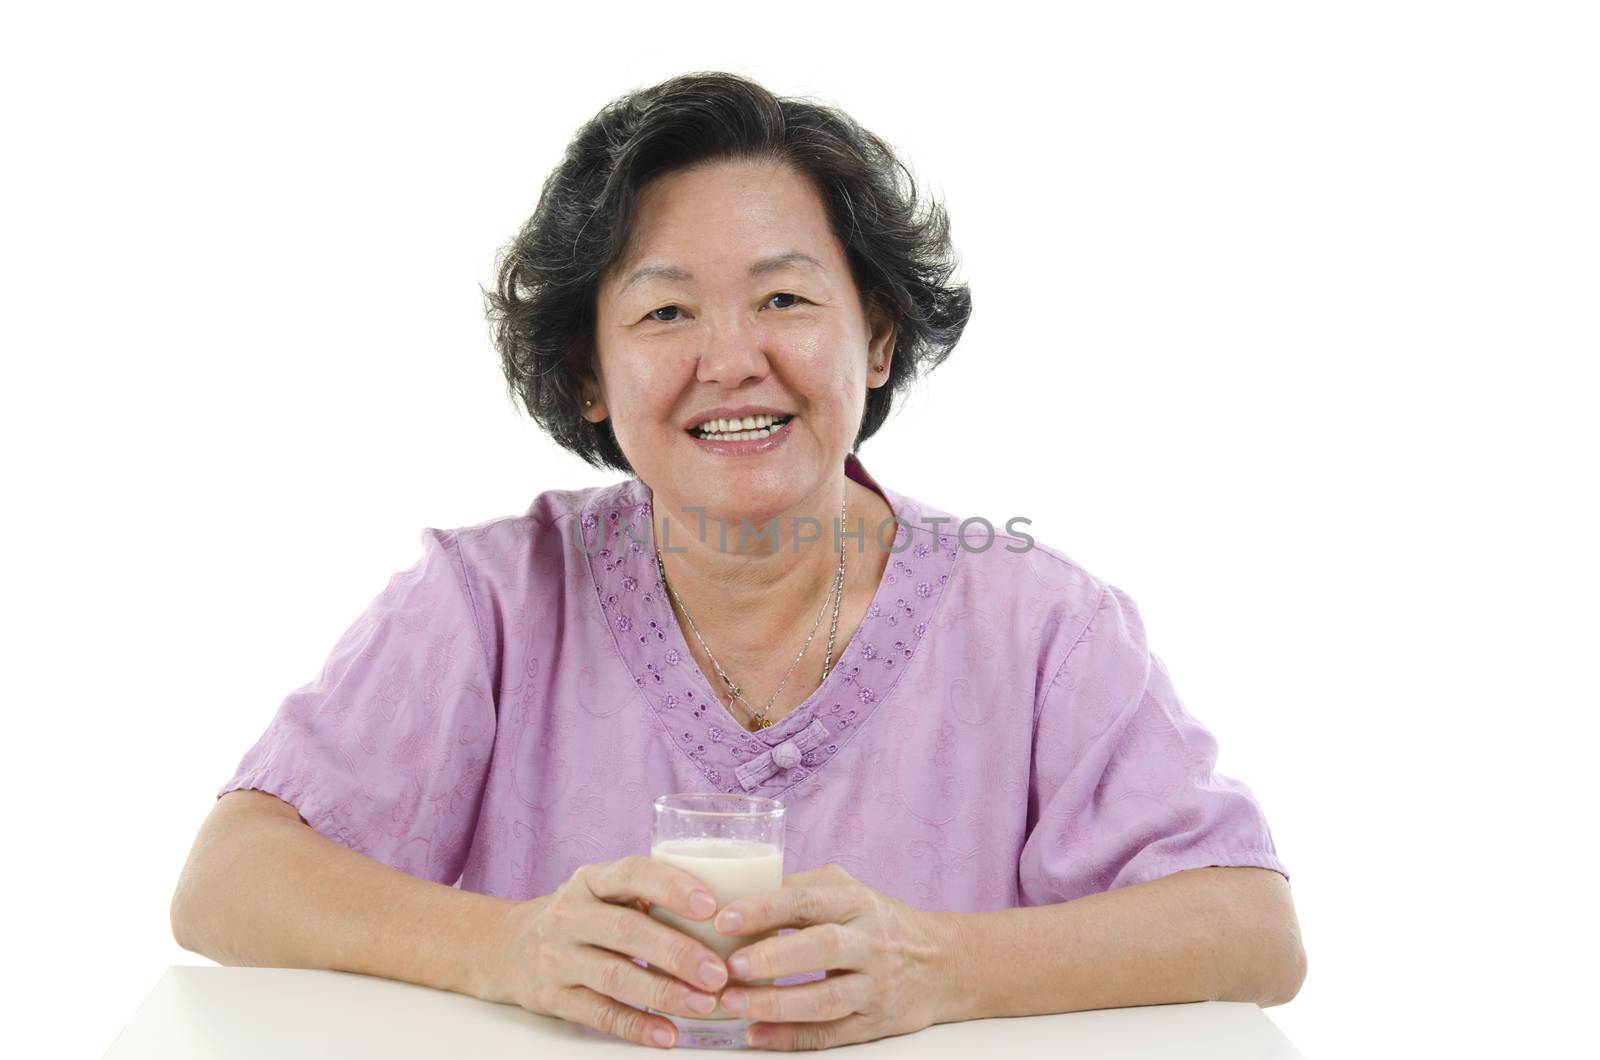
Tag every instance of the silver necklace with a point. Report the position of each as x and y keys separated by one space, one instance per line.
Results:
x=836 y=593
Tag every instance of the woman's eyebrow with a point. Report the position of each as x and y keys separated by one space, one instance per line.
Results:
x=672 y=272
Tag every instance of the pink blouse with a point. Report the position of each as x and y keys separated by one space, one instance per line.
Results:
x=996 y=733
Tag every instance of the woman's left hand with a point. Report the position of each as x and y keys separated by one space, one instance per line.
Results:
x=884 y=959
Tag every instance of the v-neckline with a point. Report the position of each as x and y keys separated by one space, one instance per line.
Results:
x=652 y=645
x=681 y=642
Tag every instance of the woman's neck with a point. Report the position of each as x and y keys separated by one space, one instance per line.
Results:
x=756 y=602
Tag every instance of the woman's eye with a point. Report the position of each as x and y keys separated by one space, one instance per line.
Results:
x=655 y=317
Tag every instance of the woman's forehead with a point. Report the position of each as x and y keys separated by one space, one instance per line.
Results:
x=736 y=219
x=726 y=187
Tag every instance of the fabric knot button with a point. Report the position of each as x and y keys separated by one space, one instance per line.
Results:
x=786 y=755
x=782 y=758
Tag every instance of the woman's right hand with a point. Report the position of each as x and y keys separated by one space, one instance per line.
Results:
x=571 y=954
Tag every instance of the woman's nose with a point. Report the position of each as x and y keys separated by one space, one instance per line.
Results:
x=732 y=355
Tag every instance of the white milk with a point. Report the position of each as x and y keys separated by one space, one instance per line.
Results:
x=729 y=868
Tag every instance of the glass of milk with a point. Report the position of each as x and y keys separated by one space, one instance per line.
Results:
x=734 y=845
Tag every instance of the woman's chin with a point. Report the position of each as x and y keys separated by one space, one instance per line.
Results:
x=730 y=497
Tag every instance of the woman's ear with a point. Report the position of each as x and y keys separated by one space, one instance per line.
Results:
x=880 y=348
x=591 y=402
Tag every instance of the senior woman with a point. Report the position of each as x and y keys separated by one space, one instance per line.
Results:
x=996 y=803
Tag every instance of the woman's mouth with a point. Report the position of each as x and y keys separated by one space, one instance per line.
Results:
x=729 y=438
x=749 y=429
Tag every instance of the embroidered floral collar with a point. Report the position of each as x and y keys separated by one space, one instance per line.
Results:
x=636 y=607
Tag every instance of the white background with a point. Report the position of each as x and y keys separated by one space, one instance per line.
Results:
x=1285 y=323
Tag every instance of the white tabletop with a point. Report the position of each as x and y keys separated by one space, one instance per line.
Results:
x=272 y=1013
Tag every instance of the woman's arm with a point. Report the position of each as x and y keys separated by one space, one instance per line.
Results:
x=1211 y=934
x=262 y=888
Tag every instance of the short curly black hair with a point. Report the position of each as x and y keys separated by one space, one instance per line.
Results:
x=543 y=308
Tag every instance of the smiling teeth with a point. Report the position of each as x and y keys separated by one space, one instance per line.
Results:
x=748 y=428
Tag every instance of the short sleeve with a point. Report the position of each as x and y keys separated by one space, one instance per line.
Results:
x=1124 y=788
x=387 y=750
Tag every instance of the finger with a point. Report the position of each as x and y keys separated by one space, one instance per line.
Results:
x=628 y=879
x=792 y=1037
x=825 y=947
x=582 y=1005
x=829 y=873
x=796 y=905
x=606 y=973
x=635 y=934
x=828 y=999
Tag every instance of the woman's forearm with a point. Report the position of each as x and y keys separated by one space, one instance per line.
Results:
x=1213 y=934
x=265 y=890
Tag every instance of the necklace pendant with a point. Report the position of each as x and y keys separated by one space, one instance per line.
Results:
x=761 y=723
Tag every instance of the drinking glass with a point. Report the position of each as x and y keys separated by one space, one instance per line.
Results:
x=733 y=844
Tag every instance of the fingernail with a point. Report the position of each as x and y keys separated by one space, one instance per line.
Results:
x=729 y=920
x=740 y=967
x=702 y=1003
x=713 y=974
x=662 y=1037
x=735 y=1001
x=756 y=1036
x=702 y=904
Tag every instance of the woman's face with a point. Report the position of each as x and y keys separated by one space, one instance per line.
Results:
x=716 y=320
